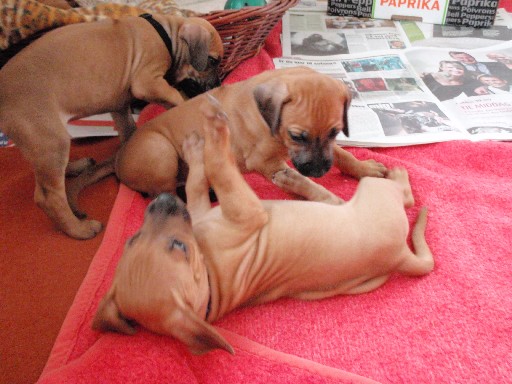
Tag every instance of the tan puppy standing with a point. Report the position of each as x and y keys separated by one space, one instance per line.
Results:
x=90 y=68
x=186 y=268
x=292 y=113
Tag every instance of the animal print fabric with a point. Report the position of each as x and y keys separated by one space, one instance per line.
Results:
x=20 y=19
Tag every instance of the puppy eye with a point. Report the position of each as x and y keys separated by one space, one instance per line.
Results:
x=180 y=246
x=133 y=239
x=300 y=138
x=176 y=244
x=333 y=133
x=213 y=62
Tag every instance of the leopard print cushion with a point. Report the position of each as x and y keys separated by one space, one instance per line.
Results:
x=20 y=19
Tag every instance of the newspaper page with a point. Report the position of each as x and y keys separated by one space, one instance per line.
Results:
x=446 y=36
x=471 y=13
x=311 y=5
x=309 y=31
x=394 y=104
x=390 y=105
x=479 y=86
x=401 y=97
x=316 y=34
x=93 y=126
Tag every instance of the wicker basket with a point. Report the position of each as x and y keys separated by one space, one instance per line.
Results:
x=243 y=31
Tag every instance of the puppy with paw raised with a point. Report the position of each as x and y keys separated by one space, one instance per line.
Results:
x=276 y=116
x=187 y=266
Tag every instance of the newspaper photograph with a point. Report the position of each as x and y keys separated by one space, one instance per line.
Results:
x=455 y=74
x=316 y=34
x=423 y=95
x=474 y=85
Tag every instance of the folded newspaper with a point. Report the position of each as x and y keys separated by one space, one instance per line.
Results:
x=92 y=126
x=411 y=83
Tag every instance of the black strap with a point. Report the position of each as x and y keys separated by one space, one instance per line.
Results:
x=161 y=31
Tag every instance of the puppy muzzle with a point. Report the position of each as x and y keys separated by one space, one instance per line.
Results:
x=165 y=205
x=314 y=168
x=193 y=87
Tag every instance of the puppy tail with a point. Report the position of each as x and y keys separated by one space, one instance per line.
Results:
x=422 y=261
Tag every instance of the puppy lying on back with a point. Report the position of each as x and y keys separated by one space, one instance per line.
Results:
x=292 y=113
x=91 y=68
x=188 y=266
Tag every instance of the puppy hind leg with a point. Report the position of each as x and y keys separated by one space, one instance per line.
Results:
x=74 y=168
x=421 y=262
x=89 y=176
x=401 y=177
x=50 y=196
x=48 y=153
x=363 y=287
x=368 y=285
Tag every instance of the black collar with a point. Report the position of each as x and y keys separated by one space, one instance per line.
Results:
x=161 y=31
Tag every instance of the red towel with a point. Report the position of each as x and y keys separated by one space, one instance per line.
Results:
x=452 y=326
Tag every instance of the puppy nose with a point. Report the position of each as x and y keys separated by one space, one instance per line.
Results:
x=191 y=88
x=216 y=83
x=315 y=168
x=166 y=204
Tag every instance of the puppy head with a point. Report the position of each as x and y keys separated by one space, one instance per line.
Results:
x=161 y=282
x=306 y=110
x=201 y=53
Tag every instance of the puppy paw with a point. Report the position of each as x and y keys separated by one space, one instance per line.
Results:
x=193 y=149
x=86 y=229
x=216 y=128
x=74 y=168
x=285 y=178
x=400 y=176
x=79 y=214
x=291 y=181
x=369 y=168
x=212 y=109
x=93 y=227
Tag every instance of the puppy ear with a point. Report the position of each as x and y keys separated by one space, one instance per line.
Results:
x=199 y=336
x=198 y=41
x=270 y=97
x=109 y=318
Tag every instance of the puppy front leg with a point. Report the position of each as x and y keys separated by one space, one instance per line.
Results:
x=124 y=123
x=157 y=91
x=291 y=181
x=196 y=187
x=237 y=200
x=349 y=165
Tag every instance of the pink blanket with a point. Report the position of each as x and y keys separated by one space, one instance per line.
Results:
x=452 y=326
